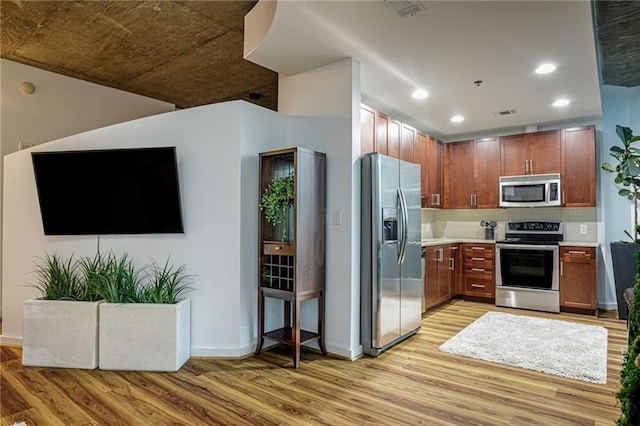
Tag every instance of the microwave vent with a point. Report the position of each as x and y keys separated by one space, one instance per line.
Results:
x=405 y=8
x=504 y=113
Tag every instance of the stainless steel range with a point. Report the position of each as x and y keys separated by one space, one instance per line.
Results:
x=527 y=266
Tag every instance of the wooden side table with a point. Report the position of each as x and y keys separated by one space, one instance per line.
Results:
x=291 y=334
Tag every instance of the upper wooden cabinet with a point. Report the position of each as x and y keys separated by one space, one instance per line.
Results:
x=530 y=153
x=472 y=175
x=579 y=167
x=464 y=175
x=367 y=129
x=407 y=142
x=428 y=152
x=382 y=133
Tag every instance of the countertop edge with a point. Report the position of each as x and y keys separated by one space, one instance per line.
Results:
x=441 y=241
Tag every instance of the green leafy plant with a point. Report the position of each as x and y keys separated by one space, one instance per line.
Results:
x=629 y=393
x=119 y=279
x=57 y=279
x=627 y=172
x=164 y=284
x=275 y=202
x=110 y=278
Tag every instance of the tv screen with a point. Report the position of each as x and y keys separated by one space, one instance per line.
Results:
x=113 y=191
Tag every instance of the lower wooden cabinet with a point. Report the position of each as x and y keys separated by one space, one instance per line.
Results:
x=441 y=273
x=478 y=270
x=578 y=279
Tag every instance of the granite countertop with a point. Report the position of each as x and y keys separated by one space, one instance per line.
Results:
x=438 y=241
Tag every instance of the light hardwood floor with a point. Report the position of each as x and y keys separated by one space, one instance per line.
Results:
x=412 y=383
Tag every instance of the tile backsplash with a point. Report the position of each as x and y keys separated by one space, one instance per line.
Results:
x=465 y=223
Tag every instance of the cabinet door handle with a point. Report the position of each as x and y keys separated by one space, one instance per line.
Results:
x=562 y=201
x=437 y=199
x=526 y=167
x=561 y=268
x=471 y=200
x=477 y=285
x=477 y=269
x=452 y=266
x=440 y=255
x=481 y=259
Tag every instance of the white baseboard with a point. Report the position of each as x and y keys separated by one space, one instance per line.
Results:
x=608 y=306
x=12 y=341
x=249 y=349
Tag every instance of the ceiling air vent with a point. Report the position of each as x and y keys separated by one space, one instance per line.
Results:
x=504 y=113
x=405 y=7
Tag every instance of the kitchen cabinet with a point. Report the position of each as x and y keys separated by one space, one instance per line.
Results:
x=478 y=266
x=440 y=274
x=407 y=142
x=578 y=279
x=472 y=174
x=382 y=133
x=428 y=152
x=393 y=138
x=579 y=167
x=292 y=254
x=530 y=153
x=367 y=129
x=374 y=131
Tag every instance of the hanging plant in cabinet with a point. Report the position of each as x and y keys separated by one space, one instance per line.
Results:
x=276 y=205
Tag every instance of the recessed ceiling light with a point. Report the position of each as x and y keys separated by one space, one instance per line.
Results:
x=457 y=119
x=561 y=103
x=420 y=94
x=545 y=69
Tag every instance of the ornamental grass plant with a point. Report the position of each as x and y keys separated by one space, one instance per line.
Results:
x=114 y=279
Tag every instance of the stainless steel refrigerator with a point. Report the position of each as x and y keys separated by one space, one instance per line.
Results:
x=391 y=275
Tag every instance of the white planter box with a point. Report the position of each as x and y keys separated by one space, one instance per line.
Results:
x=145 y=336
x=60 y=333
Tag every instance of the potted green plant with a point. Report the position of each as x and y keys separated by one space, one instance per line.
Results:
x=629 y=393
x=145 y=321
x=627 y=174
x=60 y=328
x=276 y=201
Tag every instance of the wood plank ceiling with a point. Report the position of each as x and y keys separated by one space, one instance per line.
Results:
x=189 y=53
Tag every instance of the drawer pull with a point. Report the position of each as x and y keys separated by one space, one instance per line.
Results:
x=477 y=248
x=477 y=269
x=481 y=259
x=477 y=285
x=577 y=252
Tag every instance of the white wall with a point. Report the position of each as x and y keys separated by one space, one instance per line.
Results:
x=60 y=106
x=334 y=91
x=218 y=147
x=620 y=105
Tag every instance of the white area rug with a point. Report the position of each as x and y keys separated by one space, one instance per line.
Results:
x=561 y=348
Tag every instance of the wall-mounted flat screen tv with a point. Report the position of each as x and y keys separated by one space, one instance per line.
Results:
x=112 y=191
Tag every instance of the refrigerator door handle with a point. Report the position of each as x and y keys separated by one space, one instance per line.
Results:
x=404 y=230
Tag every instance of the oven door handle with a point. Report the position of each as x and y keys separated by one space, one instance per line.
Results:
x=527 y=247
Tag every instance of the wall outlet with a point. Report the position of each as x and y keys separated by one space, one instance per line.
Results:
x=583 y=228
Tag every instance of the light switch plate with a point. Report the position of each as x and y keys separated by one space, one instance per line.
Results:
x=583 y=229
x=337 y=217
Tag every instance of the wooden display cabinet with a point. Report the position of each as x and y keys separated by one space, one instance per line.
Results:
x=292 y=256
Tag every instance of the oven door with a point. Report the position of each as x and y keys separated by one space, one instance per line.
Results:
x=528 y=266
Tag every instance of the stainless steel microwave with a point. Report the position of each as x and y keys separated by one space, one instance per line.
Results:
x=530 y=191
